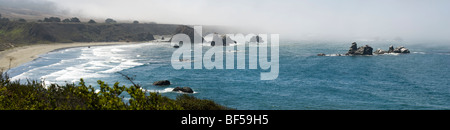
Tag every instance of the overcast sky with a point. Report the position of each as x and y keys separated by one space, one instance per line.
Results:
x=370 y=19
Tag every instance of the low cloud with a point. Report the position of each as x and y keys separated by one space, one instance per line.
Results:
x=292 y=19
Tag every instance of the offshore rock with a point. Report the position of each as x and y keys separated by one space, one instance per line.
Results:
x=391 y=49
x=352 y=49
x=364 y=50
x=162 y=83
x=401 y=49
x=222 y=40
x=183 y=29
x=256 y=39
x=379 y=51
x=183 y=89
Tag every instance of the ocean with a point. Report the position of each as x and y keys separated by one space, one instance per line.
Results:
x=419 y=80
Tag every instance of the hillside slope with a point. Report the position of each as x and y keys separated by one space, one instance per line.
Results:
x=20 y=33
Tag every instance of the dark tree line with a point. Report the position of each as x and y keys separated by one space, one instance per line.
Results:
x=92 y=21
x=3 y=19
x=72 y=20
x=67 y=20
x=109 y=20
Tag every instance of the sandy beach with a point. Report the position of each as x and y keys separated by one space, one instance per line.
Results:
x=19 y=55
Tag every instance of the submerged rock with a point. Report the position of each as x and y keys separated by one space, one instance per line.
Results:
x=321 y=54
x=183 y=89
x=162 y=83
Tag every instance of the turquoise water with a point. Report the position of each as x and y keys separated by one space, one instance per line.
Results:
x=419 y=80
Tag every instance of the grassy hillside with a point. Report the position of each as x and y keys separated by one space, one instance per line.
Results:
x=19 y=33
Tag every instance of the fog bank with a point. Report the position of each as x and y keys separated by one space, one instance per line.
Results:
x=402 y=20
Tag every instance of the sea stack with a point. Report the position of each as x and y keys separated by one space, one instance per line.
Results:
x=364 y=50
x=368 y=50
x=221 y=40
x=391 y=49
x=401 y=49
x=353 y=48
x=379 y=51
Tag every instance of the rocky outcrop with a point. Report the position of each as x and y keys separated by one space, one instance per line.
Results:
x=379 y=51
x=368 y=50
x=364 y=50
x=222 y=40
x=401 y=49
x=216 y=40
x=178 y=45
x=391 y=49
x=162 y=83
x=227 y=40
x=183 y=29
x=256 y=39
x=352 y=49
x=183 y=89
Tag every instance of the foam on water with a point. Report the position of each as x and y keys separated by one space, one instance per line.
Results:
x=418 y=52
x=166 y=90
x=94 y=62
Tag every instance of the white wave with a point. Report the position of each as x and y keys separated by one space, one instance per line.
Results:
x=117 y=50
x=166 y=90
x=183 y=60
x=72 y=74
x=395 y=54
x=28 y=74
x=335 y=55
x=94 y=62
x=122 y=66
x=232 y=51
x=419 y=53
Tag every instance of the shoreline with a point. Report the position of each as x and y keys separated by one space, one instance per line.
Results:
x=20 y=55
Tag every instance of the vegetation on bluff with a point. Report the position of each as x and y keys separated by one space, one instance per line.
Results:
x=52 y=30
x=36 y=96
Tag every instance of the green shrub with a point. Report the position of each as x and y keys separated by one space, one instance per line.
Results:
x=35 y=96
x=192 y=103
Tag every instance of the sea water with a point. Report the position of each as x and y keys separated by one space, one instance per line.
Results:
x=419 y=80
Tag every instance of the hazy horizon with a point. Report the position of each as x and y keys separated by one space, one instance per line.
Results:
x=407 y=20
